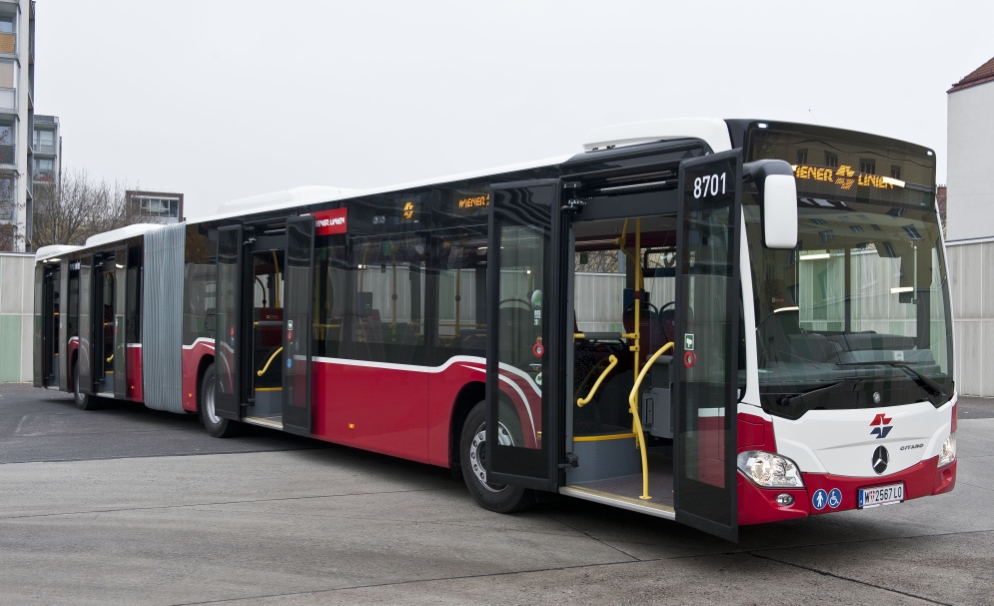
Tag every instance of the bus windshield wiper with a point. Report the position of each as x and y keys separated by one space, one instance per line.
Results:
x=929 y=383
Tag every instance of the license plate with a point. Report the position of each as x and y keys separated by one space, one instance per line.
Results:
x=881 y=495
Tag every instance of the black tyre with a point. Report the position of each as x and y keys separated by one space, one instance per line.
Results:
x=472 y=456
x=83 y=401
x=215 y=425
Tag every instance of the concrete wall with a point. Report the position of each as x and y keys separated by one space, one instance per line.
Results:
x=971 y=290
x=970 y=202
x=16 y=316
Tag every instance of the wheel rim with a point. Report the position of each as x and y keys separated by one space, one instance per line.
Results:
x=209 y=402
x=478 y=454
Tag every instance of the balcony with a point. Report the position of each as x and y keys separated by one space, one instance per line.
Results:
x=8 y=153
x=8 y=43
x=6 y=209
x=42 y=148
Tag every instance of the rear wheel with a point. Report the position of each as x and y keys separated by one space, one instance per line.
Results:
x=472 y=454
x=215 y=425
x=83 y=401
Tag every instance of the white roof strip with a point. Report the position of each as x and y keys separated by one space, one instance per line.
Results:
x=122 y=233
x=713 y=131
x=53 y=250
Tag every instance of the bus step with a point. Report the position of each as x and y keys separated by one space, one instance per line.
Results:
x=606 y=498
x=263 y=422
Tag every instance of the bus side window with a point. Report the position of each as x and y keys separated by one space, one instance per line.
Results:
x=461 y=303
x=386 y=322
x=330 y=288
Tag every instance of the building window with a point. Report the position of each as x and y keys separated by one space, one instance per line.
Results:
x=831 y=159
x=7 y=155
x=802 y=156
x=868 y=166
x=44 y=138
x=6 y=24
x=158 y=207
x=895 y=171
x=44 y=167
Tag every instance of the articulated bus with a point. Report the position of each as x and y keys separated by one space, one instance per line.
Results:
x=718 y=322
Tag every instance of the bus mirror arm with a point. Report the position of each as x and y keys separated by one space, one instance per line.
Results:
x=778 y=201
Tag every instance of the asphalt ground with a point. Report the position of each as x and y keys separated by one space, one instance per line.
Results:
x=128 y=505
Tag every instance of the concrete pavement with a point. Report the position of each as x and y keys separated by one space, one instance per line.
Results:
x=274 y=519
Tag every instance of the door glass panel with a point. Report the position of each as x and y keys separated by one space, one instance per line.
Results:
x=518 y=413
x=86 y=325
x=297 y=332
x=228 y=302
x=707 y=338
x=39 y=327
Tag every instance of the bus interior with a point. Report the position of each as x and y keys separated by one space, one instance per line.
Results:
x=623 y=285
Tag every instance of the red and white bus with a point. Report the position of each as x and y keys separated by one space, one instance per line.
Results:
x=721 y=322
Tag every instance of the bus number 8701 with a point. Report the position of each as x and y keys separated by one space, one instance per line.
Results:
x=708 y=185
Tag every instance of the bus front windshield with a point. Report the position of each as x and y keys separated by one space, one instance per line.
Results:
x=857 y=315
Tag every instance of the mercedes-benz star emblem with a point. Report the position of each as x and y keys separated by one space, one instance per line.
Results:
x=880 y=460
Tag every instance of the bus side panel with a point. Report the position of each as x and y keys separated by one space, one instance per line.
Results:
x=134 y=373
x=192 y=357
x=383 y=408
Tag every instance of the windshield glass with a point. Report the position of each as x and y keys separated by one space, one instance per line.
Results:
x=857 y=315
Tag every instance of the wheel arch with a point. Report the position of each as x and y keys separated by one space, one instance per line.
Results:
x=469 y=396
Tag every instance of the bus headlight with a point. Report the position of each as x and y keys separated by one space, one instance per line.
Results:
x=770 y=470
x=948 y=453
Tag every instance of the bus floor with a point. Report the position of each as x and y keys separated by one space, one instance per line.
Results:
x=630 y=487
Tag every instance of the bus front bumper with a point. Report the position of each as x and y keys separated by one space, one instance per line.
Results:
x=759 y=505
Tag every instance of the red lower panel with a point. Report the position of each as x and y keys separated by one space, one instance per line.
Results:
x=378 y=409
x=945 y=478
x=134 y=372
x=758 y=505
x=919 y=481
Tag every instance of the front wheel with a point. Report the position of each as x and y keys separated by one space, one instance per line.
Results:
x=83 y=401
x=472 y=455
x=215 y=425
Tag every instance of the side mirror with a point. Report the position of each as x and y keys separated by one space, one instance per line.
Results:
x=778 y=200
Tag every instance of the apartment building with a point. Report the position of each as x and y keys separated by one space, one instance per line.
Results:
x=17 y=43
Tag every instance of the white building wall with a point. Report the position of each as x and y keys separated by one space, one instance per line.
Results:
x=970 y=193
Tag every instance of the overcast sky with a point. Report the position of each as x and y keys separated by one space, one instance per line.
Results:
x=221 y=99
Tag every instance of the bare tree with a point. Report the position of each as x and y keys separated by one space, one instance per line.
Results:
x=73 y=208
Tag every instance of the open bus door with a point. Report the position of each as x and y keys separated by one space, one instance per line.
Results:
x=228 y=335
x=706 y=340
x=298 y=301
x=522 y=433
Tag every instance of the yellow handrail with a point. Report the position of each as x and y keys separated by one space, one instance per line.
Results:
x=638 y=421
x=269 y=361
x=593 y=390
